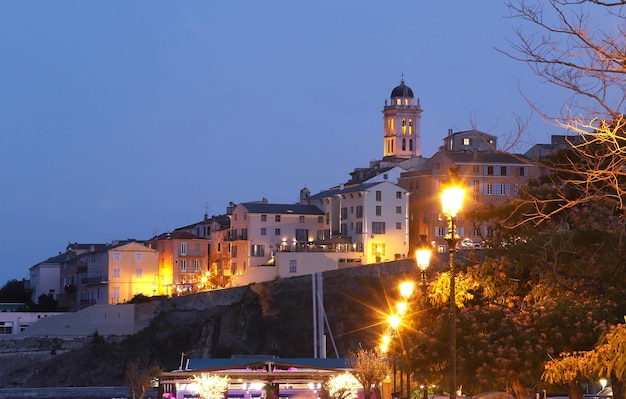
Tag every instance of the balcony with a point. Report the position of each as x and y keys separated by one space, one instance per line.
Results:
x=330 y=245
x=95 y=280
x=236 y=237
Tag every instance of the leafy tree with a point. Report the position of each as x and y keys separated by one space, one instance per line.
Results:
x=139 y=377
x=370 y=368
x=342 y=386
x=608 y=358
x=14 y=291
x=210 y=386
x=46 y=303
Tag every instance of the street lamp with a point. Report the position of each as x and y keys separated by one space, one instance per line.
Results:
x=422 y=258
x=451 y=203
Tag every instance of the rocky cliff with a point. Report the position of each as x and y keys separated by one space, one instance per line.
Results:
x=272 y=318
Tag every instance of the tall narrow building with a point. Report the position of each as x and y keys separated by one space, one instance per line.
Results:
x=402 y=124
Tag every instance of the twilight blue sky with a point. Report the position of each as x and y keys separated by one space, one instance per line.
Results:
x=121 y=119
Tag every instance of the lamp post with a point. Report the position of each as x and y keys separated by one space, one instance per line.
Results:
x=451 y=203
x=422 y=258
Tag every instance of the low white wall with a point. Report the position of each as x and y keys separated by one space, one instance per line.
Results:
x=107 y=320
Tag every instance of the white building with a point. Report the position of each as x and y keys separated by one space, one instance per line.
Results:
x=259 y=229
x=372 y=218
x=45 y=277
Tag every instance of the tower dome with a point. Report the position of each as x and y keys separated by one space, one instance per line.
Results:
x=402 y=90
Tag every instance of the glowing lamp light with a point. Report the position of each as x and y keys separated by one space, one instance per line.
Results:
x=406 y=289
x=422 y=256
x=402 y=308
x=452 y=201
x=394 y=321
x=384 y=345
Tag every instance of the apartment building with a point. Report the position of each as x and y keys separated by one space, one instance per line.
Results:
x=259 y=229
x=490 y=177
x=118 y=272
x=371 y=218
x=215 y=229
x=183 y=262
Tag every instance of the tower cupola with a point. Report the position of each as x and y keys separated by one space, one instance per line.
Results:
x=402 y=116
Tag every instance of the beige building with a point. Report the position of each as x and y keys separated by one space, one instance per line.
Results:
x=490 y=177
x=118 y=272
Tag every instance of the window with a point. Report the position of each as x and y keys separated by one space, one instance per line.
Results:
x=117 y=256
x=476 y=185
x=504 y=171
x=138 y=256
x=476 y=168
x=503 y=189
x=257 y=250
x=344 y=213
x=378 y=227
x=522 y=171
x=234 y=253
x=219 y=247
x=343 y=229
x=116 y=272
x=440 y=231
x=489 y=189
x=379 y=195
x=6 y=327
x=293 y=266
x=320 y=219
x=359 y=227
x=302 y=235
x=277 y=218
x=196 y=265
x=183 y=249
x=467 y=141
x=301 y=219
x=398 y=194
x=116 y=293
x=138 y=273
x=489 y=170
x=399 y=210
x=182 y=265
x=359 y=211
x=276 y=232
x=197 y=251
x=398 y=225
x=263 y=218
x=378 y=249
x=379 y=210
x=263 y=231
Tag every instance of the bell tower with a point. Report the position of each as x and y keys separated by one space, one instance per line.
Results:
x=402 y=123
